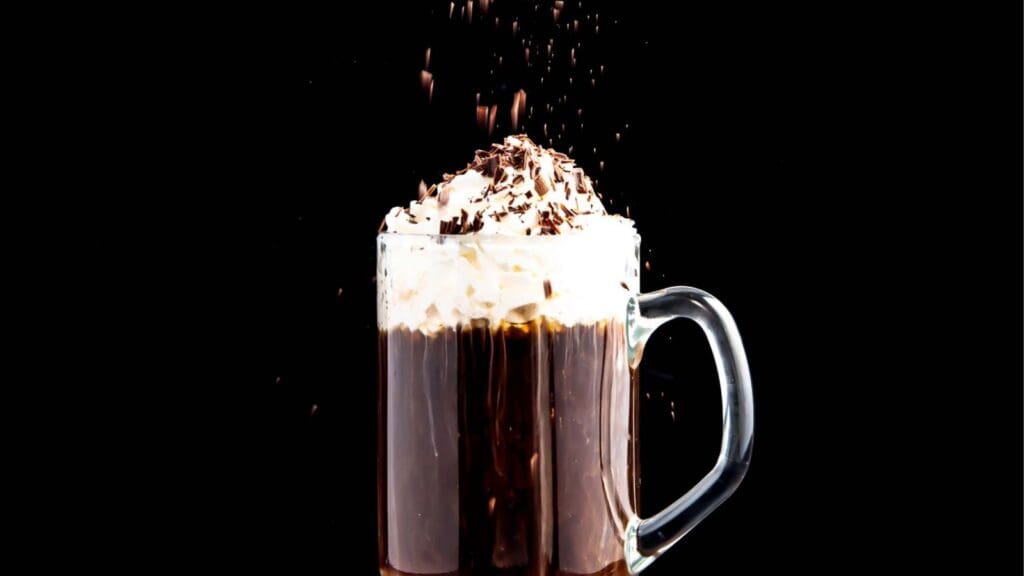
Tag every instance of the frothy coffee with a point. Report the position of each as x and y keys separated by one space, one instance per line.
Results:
x=458 y=254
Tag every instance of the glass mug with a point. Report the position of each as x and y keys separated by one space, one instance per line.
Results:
x=508 y=405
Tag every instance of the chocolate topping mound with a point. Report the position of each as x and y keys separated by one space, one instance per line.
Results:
x=514 y=188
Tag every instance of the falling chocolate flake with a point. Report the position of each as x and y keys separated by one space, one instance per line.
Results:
x=481 y=117
x=624 y=286
x=515 y=110
x=647 y=265
x=547 y=289
x=491 y=118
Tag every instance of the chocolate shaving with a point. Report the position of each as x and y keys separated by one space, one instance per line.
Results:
x=624 y=285
x=541 y=185
x=518 y=159
x=547 y=289
x=488 y=165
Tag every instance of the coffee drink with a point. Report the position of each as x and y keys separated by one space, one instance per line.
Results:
x=491 y=449
x=507 y=413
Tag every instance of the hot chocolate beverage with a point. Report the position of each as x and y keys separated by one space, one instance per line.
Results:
x=491 y=442
x=506 y=438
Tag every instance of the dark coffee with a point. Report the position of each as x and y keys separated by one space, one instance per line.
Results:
x=491 y=456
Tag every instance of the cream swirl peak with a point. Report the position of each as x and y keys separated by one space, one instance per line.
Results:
x=516 y=188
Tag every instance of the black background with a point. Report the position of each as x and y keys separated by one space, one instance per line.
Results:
x=845 y=179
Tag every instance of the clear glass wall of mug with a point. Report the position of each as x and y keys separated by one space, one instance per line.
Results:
x=507 y=406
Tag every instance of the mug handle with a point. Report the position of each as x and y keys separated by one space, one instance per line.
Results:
x=646 y=539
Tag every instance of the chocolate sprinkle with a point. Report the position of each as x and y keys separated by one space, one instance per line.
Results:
x=541 y=184
x=547 y=289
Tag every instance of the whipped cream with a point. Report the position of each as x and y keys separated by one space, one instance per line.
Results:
x=517 y=235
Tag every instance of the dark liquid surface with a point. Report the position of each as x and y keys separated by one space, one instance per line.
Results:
x=491 y=455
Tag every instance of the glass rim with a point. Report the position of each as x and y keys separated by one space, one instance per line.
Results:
x=504 y=238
